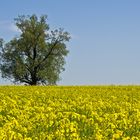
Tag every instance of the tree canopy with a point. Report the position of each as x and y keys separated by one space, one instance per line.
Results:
x=37 y=55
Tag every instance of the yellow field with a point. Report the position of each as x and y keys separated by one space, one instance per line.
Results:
x=71 y=113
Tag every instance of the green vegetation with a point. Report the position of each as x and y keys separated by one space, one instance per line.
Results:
x=37 y=55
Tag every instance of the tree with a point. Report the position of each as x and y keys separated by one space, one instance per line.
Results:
x=37 y=55
x=1 y=41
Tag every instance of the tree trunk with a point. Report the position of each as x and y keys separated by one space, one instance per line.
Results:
x=33 y=83
x=34 y=78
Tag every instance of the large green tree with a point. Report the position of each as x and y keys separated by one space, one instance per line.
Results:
x=37 y=55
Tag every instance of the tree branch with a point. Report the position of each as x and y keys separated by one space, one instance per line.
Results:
x=34 y=49
x=49 y=53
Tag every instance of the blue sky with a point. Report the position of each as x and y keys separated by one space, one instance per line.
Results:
x=105 y=44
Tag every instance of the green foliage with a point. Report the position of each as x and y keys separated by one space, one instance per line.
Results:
x=36 y=56
x=70 y=113
x=1 y=42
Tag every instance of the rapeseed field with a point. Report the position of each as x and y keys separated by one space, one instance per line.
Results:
x=70 y=113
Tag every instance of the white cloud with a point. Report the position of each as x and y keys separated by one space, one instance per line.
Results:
x=14 y=28
x=7 y=26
